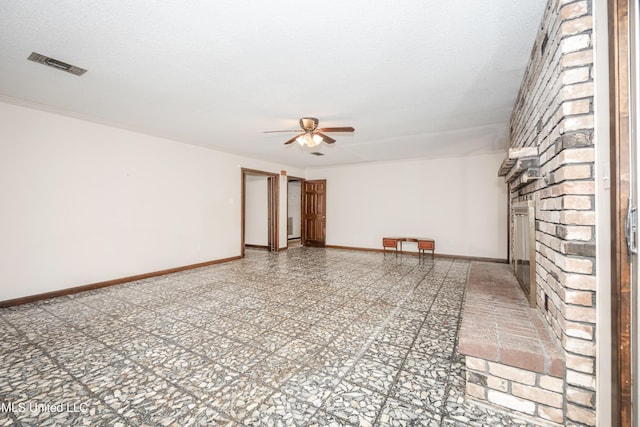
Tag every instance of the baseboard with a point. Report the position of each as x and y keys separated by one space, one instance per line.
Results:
x=355 y=248
x=256 y=246
x=437 y=255
x=83 y=288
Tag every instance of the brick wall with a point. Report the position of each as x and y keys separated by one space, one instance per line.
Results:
x=554 y=112
x=532 y=393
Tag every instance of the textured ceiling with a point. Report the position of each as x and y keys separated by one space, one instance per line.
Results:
x=416 y=78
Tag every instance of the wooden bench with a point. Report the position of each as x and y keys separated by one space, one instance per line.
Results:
x=424 y=244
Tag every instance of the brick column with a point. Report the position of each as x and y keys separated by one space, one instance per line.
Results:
x=554 y=112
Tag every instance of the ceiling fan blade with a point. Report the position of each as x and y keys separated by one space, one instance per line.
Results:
x=338 y=129
x=326 y=138
x=293 y=139
x=274 y=131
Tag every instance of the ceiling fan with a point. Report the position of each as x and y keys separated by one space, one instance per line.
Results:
x=311 y=134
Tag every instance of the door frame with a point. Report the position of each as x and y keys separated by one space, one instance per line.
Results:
x=273 y=180
x=622 y=345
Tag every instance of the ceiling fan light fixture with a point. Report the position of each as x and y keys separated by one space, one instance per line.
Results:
x=309 y=140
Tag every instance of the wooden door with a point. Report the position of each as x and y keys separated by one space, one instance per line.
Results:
x=314 y=215
x=624 y=265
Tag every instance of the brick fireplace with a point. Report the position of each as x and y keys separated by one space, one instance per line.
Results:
x=550 y=162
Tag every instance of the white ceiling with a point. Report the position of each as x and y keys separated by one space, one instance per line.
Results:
x=416 y=78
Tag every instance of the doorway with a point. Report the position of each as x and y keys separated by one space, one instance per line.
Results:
x=294 y=211
x=259 y=223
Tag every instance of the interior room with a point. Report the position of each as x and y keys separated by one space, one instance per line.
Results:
x=330 y=214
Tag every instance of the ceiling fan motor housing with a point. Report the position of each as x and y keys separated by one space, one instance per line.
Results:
x=309 y=123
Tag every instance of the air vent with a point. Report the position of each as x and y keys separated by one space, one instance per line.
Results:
x=317 y=153
x=59 y=65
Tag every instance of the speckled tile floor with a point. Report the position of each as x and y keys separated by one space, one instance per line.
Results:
x=306 y=337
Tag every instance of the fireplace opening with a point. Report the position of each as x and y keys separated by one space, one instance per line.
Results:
x=524 y=248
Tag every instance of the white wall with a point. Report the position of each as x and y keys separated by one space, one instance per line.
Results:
x=84 y=202
x=293 y=190
x=256 y=211
x=460 y=202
